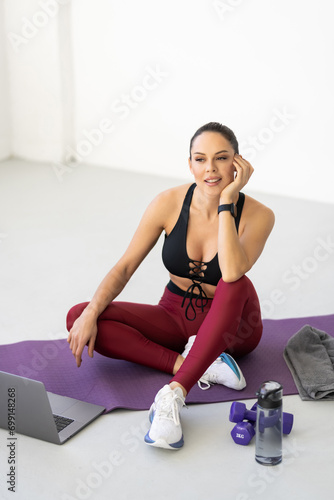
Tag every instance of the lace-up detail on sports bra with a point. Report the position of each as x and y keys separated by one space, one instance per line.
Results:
x=196 y=274
x=177 y=261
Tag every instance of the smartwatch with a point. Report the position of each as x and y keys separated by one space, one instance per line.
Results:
x=230 y=207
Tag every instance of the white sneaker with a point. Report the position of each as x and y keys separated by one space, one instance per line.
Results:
x=188 y=346
x=166 y=431
x=223 y=371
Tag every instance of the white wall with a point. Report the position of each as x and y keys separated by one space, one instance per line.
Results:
x=34 y=81
x=4 y=94
x=147 y=74
x=263 y=68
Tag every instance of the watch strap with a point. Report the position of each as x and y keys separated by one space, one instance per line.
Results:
x=228 y=207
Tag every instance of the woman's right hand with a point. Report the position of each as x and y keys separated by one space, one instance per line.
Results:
x=83 y=332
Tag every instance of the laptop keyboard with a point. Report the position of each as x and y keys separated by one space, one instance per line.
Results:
x=62 y=422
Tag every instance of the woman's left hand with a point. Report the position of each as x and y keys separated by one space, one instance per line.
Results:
x=244 y=170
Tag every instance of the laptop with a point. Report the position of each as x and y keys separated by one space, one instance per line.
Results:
x=41 y=414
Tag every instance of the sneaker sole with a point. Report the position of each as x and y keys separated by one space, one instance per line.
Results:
x=161 y=443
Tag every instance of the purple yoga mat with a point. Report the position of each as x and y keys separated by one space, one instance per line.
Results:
x=121 y=384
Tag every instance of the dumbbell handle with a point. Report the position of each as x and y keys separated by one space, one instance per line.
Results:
x=250 y=415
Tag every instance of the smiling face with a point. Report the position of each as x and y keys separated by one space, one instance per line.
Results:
x=211 y=162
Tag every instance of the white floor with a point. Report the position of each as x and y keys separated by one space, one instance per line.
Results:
x=59 y=235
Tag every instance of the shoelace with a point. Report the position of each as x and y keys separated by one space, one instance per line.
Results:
x=206 y=376
x=168 y=408
x=208 y=379
x=204 y=383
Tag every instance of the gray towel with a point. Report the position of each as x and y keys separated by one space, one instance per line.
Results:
x=309 y=355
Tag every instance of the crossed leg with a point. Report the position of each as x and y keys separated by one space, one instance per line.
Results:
x=233 y=325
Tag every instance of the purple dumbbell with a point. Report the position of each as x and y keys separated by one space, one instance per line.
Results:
x=239 y=412
x=243 y=432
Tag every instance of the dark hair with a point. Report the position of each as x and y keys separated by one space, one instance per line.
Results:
x=221 y=129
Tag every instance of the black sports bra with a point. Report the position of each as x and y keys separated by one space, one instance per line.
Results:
x=177 y=261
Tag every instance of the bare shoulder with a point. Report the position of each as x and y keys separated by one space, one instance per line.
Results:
x=258 y=212
x=173 y=195
x=252 y=206
x=169 y=203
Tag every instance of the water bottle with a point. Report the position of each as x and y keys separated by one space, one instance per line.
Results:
x=269 y=424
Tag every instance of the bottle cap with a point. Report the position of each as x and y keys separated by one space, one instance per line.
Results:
x=270 y=394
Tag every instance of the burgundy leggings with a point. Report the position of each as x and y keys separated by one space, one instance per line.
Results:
x=154 y=335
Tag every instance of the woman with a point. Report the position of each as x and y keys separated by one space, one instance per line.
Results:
x=209 y=310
